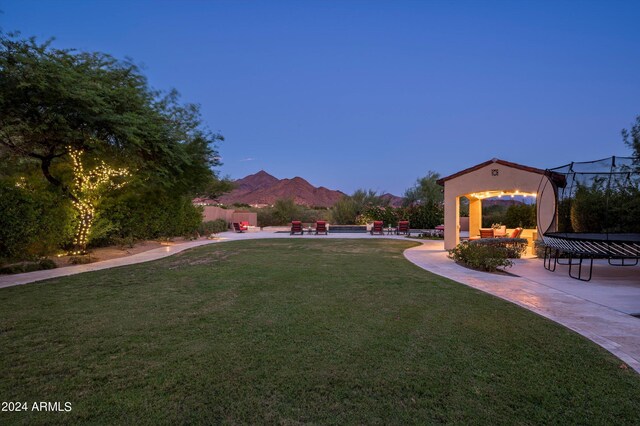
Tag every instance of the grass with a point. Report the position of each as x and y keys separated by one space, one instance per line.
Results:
x=296 y=331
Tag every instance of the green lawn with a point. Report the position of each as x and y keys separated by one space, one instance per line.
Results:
x=296 y=331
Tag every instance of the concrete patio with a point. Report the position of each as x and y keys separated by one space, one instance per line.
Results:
x=599 y=310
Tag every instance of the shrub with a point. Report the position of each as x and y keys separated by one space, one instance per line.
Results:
x=20 y=268
x=313 y=214
x=589 y=208
x=423 y=216
x=266 y=217
x=514 y=247
x=81 y=260
x=286 y=210
x=485 y=257
x=388 y=215
x=143 y=217
x=520 y=215
x=344 y=211
x=491 y=214
x=32 y=222
x=213 y=227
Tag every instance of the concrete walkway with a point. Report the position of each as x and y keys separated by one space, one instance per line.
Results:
x=535 y=289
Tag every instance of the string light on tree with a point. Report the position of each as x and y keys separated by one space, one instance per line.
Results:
x=88 y=188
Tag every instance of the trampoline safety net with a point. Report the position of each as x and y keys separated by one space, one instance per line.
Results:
x=597 y=214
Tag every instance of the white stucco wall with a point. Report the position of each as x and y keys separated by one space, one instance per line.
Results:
x=484 y=179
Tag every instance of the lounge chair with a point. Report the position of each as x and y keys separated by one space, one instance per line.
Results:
x=321 y=227
x=403 y=228
x=486 y=233
x=237 y=227
x=296 y=227
x=377 y=228
x=516 y=233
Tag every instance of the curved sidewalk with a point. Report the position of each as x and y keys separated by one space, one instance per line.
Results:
x=615 y=331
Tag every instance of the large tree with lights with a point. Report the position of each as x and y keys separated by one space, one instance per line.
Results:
x=91 y=123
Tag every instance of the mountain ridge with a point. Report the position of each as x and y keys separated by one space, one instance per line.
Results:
x=262 y=188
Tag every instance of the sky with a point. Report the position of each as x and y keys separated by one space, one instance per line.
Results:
x=374 y=94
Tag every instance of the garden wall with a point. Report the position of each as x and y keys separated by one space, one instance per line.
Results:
x=212 y=213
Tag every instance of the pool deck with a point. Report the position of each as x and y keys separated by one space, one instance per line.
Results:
x=599 y=310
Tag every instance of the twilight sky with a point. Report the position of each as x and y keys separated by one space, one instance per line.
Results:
x=373 y=94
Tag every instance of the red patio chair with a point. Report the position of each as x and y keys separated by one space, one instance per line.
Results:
x=377 y=228
x=296 y=227
x=237 y=227
x=403 y=228
x=486 y=232
x=516 y=233
x=244 y=226
x=321 y=227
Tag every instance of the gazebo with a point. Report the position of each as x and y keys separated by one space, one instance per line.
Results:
x=493 y=178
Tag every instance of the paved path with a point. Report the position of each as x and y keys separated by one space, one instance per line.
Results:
x=612 y=329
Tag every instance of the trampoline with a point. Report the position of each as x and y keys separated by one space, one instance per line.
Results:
x=597 y=215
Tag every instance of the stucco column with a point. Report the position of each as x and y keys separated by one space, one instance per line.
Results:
x=451 y=219
x=475 y=216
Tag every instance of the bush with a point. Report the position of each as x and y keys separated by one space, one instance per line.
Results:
x=493 y=214
x=423 y=216
x=286 y=210
x=485 y=255
x=32 y=222
x=213 y=227
x=388 y=215
x=589 y=208
x=81 y=260
x=520 y=215
x=344 y=211
x=28 y=267
x=514 y=247
x=143 y=217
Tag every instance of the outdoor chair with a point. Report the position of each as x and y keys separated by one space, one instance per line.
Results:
x=403 y=228
x=516 y=233
x=321 y=227
x=237 y=227
x=377 y=228
x=486 y=233
x=296 y=227
x=244 y=226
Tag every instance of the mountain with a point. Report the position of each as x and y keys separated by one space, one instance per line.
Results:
x=262 y=188
x=394 y=200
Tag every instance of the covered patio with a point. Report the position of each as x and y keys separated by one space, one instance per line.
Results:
x=491 y=179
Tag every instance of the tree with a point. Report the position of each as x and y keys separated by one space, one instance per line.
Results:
x=631 y=137
x=285 y=210
x=347 y=209
x=425 y=190
x=57 y=103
